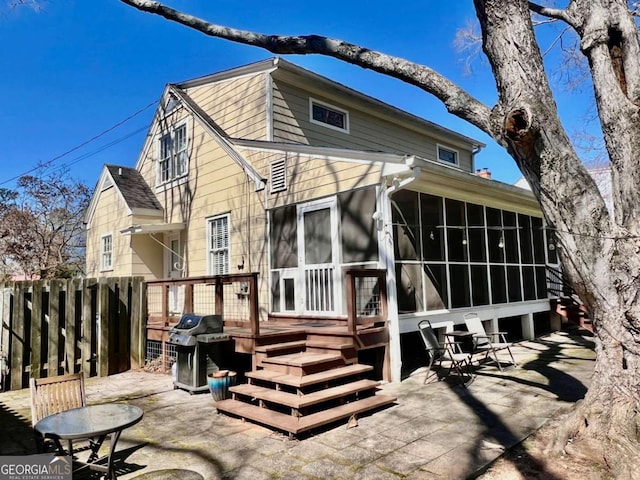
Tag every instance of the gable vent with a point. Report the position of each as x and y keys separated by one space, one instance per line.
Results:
x=278 y=175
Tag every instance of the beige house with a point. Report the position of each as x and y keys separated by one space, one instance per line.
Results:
x=274 y=169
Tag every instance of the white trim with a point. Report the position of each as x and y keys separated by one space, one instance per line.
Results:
x=171 y=270
x=269 y=106
x=148 y=228
x=448 y=149
x=330 y=203
x=328 y=106
x=208 y=221
x=103 y=267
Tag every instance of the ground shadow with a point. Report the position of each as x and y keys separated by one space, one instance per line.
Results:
x=498 y=433
x=18 y=437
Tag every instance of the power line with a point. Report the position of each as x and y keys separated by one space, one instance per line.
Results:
x=86 y=142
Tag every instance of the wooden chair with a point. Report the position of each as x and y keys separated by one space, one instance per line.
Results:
x=55 y=394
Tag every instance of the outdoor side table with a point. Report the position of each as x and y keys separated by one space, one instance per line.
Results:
x=95 y=423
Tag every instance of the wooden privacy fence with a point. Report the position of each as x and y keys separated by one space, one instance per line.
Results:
x=52 y=327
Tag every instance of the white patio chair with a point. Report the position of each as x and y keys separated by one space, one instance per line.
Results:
x=489 y=343
x=448 y=352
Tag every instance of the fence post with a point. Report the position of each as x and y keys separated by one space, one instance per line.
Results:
x=36 y=328
x=70 y=327
x=86 y=332
x=103 y=329
x=18 y=342
x=137 y=316
x=53 y=361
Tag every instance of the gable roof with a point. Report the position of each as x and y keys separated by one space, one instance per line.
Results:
x=131 y=187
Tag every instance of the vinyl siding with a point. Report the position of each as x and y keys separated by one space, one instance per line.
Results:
x=109 y=218
x=310 y=178
x=238 y=106
x=291 y=123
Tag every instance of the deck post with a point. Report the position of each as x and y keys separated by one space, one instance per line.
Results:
x=254 y=318
x=351 y=302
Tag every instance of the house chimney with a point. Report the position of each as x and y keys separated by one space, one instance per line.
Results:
x=484 y=173
x=119 y=171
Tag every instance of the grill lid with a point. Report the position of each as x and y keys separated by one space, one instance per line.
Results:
x=192 y=324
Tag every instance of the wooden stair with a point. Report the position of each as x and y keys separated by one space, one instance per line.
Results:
x=297 y=392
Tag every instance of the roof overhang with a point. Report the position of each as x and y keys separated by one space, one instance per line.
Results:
x=149 y=228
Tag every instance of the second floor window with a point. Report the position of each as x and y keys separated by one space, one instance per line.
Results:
x=173 y=154
x=447 y=155
x=106 y=252
x=329 y=116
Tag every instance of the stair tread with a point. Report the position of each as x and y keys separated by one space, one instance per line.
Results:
x=302 y=359
x=274 y=347
x=301 y=401
x=306 y=380
x=300 y=424
x=329 y=345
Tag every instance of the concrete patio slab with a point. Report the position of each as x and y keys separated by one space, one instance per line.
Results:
x=440 y=430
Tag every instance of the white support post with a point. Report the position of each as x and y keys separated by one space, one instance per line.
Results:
x=528 y=332
x=495 y=326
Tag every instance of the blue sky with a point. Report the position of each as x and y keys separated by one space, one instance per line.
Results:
x=78 y=68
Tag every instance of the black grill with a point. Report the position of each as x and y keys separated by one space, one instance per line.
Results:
x=198 y=340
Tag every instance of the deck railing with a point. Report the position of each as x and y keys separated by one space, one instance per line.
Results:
x=366 y=297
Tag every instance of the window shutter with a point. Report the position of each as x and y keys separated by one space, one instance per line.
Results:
x=278 y=175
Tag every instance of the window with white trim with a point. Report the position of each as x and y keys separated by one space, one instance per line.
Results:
x=218 y=245
x=173 y=154
x=278 y=175
x=106 y=252
x=328 y=115
x=447 y=155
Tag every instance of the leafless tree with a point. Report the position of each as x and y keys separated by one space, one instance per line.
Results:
x=41 y=226
x=599 y=250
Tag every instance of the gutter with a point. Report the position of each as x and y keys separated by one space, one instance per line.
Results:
x=388 y=261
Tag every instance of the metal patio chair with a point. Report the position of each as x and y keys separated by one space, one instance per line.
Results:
x=447 y=352
x=489 y=343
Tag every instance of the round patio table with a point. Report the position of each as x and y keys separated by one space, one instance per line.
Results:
x=93 y=422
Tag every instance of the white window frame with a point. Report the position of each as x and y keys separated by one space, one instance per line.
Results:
x=106 y=256
x=174 y=158
x=448 y=149
x=210 y=250
x=313 y=101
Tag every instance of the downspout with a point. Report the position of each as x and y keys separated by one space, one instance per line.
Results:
x=388 y=261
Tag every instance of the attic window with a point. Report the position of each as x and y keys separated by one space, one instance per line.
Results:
x=447 y=155
x=329 y=116
x=278 y=175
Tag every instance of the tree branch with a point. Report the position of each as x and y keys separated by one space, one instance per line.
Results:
x=457 y=100
x=555 y=13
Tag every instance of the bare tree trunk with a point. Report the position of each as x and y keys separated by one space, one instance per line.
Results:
x=599 y=253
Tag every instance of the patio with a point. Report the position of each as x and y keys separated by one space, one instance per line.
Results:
x=435 y=431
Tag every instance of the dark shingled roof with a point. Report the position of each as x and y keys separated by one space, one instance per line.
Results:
x=133 y=187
